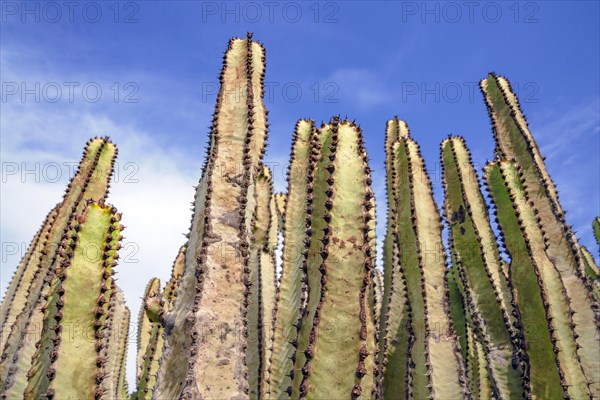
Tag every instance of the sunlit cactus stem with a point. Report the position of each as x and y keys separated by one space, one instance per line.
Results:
x=291 y=291
x=433 y=359
x=214 y=292
x=22 y=308
x=340 y=351
x=85 y=365
x=476 y=257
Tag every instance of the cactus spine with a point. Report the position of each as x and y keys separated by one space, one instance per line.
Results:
x=477 y=259
x=208 y=325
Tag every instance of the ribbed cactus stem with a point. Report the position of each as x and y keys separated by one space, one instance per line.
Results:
x=16 y=292
x=117 y=343
x=20 y=334
x=280 y=201
x=208 y=325
x=291 y=292
x=477 y=258
x=596 y=228
x=314 y=226
x=122 y=387
x=81 y=365
x=144 y=325
x=170 y=292
x=544 y=376
x=341 y=348
x=436 y=366
x=262 y=275
x=395 y=322
x=473 y=354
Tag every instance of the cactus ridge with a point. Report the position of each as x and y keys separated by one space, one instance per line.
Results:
x=15 y=360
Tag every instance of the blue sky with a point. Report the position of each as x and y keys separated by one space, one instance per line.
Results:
x=145 y=73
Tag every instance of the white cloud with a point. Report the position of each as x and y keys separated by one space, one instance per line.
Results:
x=360 y=87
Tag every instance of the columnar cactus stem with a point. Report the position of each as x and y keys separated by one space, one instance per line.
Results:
x=545 y=308
x=117 y=346
x=477 y=257
x=343 y=327
x=514 y=140
x=19 y=337
x=395 y=322
x=81 y=365
x=472 y=352
x=122 y=388
x=208 y=325
x=16 y=293
x=145 y=326
x=170 y=292
x=435 y=353
x=378 y=292
x=280 y=200
x=151 y=329
x=262 y=275
x=291 y=292
x=596 y=228
x=317 y=175
x=417 y=295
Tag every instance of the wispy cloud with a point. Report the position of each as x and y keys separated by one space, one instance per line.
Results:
x=361 y=88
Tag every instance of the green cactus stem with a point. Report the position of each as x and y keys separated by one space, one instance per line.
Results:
x=280 y=201
x=394 y=328
x=341 y=347
x=16 y=293
x=21 y=334
x=291 y=293
x=145 y=325
x=82 y=365
x=531 y=280
x=476 y=255
x=434 y=361
x=208 y=325
x=263 y=276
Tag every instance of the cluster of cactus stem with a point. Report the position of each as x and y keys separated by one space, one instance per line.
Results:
x=483 y=317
